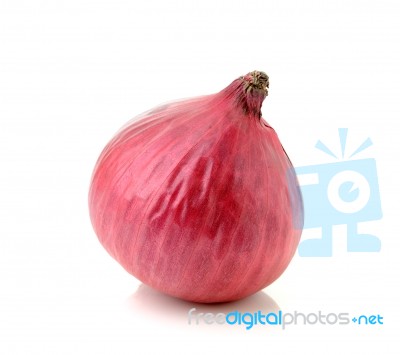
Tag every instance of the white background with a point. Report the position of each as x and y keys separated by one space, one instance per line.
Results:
x=73 y=72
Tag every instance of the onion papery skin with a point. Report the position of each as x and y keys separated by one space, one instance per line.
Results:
x=197 y=198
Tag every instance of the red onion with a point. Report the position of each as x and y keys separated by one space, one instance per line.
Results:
x=198 y=198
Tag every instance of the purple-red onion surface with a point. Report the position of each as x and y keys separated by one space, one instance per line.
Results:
x=198 y=198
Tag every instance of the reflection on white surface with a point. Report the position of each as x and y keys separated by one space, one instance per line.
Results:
x=153 y=305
